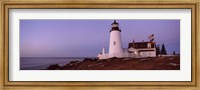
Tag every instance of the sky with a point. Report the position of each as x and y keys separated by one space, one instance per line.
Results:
x=85 y=38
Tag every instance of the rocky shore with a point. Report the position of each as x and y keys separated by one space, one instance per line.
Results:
x=150 y=63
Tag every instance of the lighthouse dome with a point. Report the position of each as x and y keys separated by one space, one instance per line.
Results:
x=115 y=26
x=115 y=22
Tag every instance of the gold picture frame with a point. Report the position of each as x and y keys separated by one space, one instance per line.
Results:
x=4 y=65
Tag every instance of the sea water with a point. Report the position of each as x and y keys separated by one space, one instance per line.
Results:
x=41 y=63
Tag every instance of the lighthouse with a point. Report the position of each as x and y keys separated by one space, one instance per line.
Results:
x=115 y=45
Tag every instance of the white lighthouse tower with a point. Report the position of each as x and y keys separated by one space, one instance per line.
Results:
x=115 y=48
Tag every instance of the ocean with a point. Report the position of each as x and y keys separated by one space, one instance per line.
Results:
x=41 y=63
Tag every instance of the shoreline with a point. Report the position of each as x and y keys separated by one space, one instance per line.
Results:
x=148 y=63
x=41 y=63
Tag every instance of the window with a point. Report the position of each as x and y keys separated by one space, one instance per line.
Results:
x=149 y=45
x=114 y=43
x=149 y=53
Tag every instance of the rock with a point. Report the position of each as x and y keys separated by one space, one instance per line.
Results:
x=113 y=58
x=174 y=64
x=126 y=59
x=89 y=65
x=72 y=62
x=143 y=59
x=53 y=67
x=89 y=60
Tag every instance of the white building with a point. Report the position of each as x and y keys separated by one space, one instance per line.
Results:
x=142 y=49
x=115 y=46
x=135 y=49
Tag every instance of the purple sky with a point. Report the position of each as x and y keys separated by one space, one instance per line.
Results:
x=85 y=38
